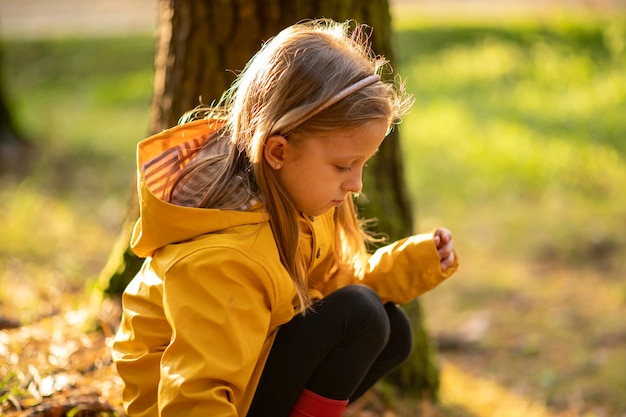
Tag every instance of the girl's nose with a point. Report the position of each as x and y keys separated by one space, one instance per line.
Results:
x=354 y=183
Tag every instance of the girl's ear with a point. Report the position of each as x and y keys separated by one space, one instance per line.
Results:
x=274 y=151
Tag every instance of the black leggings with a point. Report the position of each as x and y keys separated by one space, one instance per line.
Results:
x=338 y=350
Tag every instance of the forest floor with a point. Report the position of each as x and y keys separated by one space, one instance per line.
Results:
x=57 y=368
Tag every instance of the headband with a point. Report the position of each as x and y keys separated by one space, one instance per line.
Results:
x=370 y=79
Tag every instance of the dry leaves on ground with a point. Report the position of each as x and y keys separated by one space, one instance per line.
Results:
x=55 y=367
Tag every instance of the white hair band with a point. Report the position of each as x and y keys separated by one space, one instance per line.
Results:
x=351 y=89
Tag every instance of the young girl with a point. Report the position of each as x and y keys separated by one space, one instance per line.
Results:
x=257 y=296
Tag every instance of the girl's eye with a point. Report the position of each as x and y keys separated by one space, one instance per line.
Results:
x=343 y=169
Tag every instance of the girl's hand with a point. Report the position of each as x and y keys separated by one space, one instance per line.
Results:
x=443 y=242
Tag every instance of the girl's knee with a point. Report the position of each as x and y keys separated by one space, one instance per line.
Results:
x=359 y=294
x=365 y=306
x=360 y=297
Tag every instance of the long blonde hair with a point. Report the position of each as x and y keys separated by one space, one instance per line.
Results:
x=293 y=74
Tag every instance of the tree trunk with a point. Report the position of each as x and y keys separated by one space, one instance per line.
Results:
x=201 y=45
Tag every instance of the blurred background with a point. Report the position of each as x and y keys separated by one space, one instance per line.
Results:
x=516 y=142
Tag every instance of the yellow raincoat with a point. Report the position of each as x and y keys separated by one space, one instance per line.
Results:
x=200 y=317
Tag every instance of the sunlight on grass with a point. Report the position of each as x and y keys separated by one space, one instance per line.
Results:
x=516 y=142
x=484 y=398
x=49 y=250
x=535 y=129
x=89 y=96
x=84 y=104
x=493 y=156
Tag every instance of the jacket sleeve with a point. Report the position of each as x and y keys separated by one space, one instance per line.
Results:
x=405 y=269
x=218 y=306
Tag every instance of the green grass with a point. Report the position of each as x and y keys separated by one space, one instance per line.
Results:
x=84 y=104
x=82 y=97
x=517 y=142
x=525 y=122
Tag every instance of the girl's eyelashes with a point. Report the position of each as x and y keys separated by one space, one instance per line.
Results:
x=343 y=169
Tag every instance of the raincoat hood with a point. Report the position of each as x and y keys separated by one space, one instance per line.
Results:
x=160 y=159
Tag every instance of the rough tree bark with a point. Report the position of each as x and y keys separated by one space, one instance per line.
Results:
x=201 y=43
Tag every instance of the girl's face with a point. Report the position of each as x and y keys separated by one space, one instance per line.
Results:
x=320 y=171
